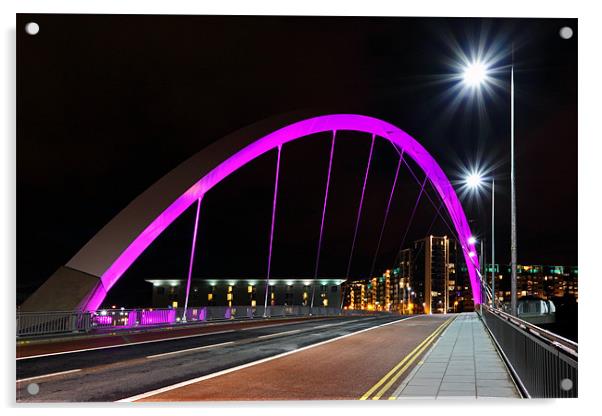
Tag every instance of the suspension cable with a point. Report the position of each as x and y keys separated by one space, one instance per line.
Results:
x=313 y=289
x=418 y=181
x=430 y=227
x=451 y=230
x=410 y=220
x=382 y=229
x=267 y=284
x=359 y=211
x=194 y=235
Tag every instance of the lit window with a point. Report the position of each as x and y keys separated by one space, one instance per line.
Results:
x=250 y=289
x=229 y=297
x=210 y=297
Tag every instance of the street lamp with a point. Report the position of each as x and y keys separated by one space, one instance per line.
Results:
x=476 y=74
x=474 y=181
x=512 y=197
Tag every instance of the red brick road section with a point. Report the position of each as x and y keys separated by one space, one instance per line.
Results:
x=343 y=369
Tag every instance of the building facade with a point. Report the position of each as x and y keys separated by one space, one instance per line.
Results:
x=246 y=292
x=431 y=277
x=543 y=281
x=459 y=288
x=425 y=270
x=383 y=293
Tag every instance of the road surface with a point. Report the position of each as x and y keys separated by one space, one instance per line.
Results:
x=336 y=358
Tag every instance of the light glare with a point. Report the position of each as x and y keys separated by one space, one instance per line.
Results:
x=474 y=180
x=475 y=74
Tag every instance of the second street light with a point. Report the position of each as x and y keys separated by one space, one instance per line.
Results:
x=475 y=181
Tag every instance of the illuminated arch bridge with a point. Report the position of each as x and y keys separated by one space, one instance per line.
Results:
x=85 y=280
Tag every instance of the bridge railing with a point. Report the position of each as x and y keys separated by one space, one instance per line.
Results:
x=48 y=323
x=62 y=322
x=205 y=313
x=544 y=364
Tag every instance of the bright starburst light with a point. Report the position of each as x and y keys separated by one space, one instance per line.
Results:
x=475 y=74
x=474 y=180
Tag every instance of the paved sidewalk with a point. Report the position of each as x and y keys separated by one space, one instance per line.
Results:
x=463 y=363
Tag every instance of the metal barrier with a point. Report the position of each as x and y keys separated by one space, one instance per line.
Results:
x=544 y=364
x=208 y=313
x=124 y=318
x=46 y=323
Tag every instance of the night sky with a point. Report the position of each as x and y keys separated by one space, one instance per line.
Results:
x=107 y=105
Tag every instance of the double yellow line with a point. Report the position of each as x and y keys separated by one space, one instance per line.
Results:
x=396 y=372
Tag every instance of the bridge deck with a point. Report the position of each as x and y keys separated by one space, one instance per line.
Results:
x=462 y=363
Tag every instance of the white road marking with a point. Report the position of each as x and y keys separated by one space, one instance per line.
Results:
x=159 y=340
x=277 y=334
x=285 y=323
x=340 y=323
x=124 y=345
x=49 y=375
x=190 y=349
x=322 y=326
x=240 y=367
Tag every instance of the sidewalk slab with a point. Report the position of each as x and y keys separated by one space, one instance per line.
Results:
x=463 y=363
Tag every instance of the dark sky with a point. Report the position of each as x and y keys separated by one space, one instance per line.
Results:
x=107 y=105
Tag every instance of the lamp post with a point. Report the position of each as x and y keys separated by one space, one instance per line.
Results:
x=474 y=75
x=492 y=241
x=474 y=181
x=512 y=197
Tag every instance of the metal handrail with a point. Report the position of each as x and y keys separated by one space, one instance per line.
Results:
x=19 y=312
x=45 y=323
x=55 y=322
x=552 y=339
x=543 y=364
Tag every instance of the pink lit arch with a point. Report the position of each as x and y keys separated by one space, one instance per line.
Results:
x=113 y=250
